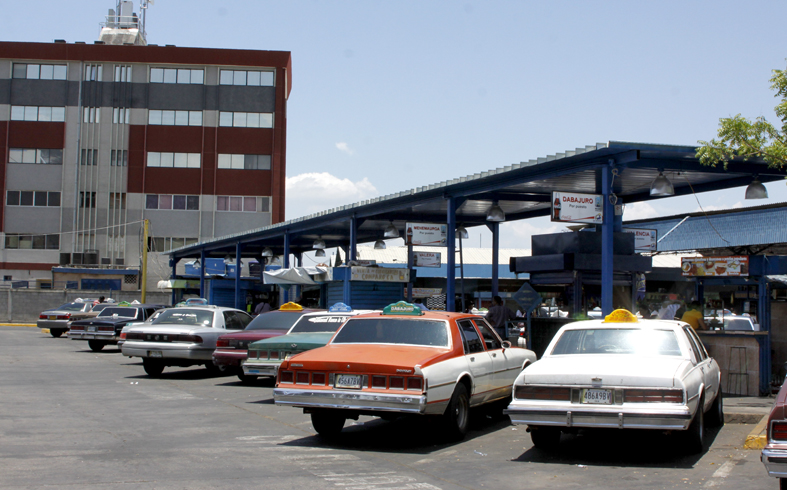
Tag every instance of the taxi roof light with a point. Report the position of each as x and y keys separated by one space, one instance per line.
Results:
x=290 y=307
x=402 y=308
x=621 y=316
x=340 y=308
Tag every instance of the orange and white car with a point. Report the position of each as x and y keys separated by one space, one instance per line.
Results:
x=403 y=361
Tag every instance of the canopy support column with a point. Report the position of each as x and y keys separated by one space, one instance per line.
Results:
x=174 y=264
x=450 y=276
x=353 y=239
x=495 y=229
x=286 y=265
x=201 y=274
x=607 y=240
x=410 y=268
x=238 y=248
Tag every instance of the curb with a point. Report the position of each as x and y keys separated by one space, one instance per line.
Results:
x=758 y=437
x=22 y=325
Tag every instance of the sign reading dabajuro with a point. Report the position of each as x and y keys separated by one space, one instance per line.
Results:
x=570 y=207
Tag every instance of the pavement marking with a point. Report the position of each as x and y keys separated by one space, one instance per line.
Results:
x=719 y=475
x=758 y=437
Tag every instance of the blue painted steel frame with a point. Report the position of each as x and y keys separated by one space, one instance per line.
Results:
x=238 y=250
x=606 y=241
x=286 y=265
x=201 y=273
x=450 y=280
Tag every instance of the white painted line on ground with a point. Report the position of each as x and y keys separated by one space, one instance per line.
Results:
x=720 y=474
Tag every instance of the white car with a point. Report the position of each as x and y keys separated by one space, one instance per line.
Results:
x=620 y=372
x=182 y=337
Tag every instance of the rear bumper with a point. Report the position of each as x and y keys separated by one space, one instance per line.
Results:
x=106 y=337
x=229 y=358
x=350 y=400
x=52 y=324
x=168 y=350
x=253 y=367
x=775 y=461
x=612 y=417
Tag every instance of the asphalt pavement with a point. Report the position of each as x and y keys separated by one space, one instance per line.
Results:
x=71 y=418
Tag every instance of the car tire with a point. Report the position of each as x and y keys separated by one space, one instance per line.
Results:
x=716 y=412
x=153 y=367
x=695 y=435
x=327 y=424
x=96 y=345
x=545 y=438
x=213 y=369
x=782 y=483
x=56 y=332
x=457 y=416
x=246 y=379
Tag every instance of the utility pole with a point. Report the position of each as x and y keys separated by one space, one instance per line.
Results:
x=144 y=259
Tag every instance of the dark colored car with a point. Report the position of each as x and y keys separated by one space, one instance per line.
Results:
x=774 y=454
x=232 y=348
x=105 y=328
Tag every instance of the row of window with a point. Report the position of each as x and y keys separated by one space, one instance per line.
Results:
x=34 y=242
x=244 y=162
x=246 y=77
x=40 y=72
x=246 y=119
x=250 y=204
x=32 y=198
x=121 y=115
x=168 y=201
x=37 y=113
x=175 y=118
x=30 y=155
x=164 y=244
x=176 y=75
x=176 y=160
x=117 y=158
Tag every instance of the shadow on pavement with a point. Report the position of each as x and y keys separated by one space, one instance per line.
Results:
x=179 y=373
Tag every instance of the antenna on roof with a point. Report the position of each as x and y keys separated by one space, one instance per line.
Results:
x=123 y=26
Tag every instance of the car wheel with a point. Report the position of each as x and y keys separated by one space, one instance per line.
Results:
x=716 y=412
x=95 y=345
x=545 y=438
x=457 y=415
x=246 y=379
x=695 y=435
x=327 y=424
x=213 y=369
x=153 y=367
x=56 y=332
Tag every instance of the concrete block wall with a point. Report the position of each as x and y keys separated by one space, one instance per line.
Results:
x=736 y=361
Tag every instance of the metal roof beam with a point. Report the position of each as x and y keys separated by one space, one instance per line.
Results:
x=695 y=166
x=511 y=196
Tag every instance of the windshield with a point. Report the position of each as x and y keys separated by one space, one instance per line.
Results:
x=618 y=341
x=124 y=312
x=71 y=307
x=274 y=320
x=393 y=331
x=738 y=324
x=185 y=316
x=101 y=306
x=321 y=323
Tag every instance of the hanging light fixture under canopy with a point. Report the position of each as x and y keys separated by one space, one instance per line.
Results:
x=319 y=244
x=319 y=253
x=391 y=231
x=495 y=213
x=756 y=190
x=661 y=186
x=267 y=252
x=379 y=245
x=461 y=232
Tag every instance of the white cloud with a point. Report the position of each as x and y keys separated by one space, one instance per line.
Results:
x=639 y=210
x=344 y=147
x=312 y=192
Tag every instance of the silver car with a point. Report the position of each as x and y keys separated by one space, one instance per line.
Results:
x=56 y=319
x=182 y=337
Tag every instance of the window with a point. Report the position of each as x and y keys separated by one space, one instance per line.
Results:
x=118 y=158
x=32 y=198
x=242 y=77
x=175 y=118
x=168 y=201
x=120 y=115
x=246 y=119
x=40 y=72
x=29 y=155
x=36 y=113
x=91 y=114
x=94 y=73
x=179 y=160
x=117 y=200
x=163 y=244
x=122 y=73
x=248 y=204
x=34 y=242
x=176 y=75
x=244 y=162
x=470 y=338
x=89 y=157
x=490 y=339
x=87 y=200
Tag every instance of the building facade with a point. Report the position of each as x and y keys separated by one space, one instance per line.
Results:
x=96 y=138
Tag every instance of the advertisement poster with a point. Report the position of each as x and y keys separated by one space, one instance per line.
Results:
x=570 y=207
x=426 y=292
x=715 y=266
x=379 y=274
x=426 y=234
x=426 y=259
x=644 y=240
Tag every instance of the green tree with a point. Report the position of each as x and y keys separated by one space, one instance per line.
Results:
x=741 y=138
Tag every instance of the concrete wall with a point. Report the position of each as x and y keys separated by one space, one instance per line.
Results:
x=24 y=306
x=746 y=361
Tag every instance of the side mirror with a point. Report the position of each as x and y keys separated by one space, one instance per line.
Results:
x=506 y=344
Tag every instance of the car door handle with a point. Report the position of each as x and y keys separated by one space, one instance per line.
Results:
x=472 y=359
x=494 y=354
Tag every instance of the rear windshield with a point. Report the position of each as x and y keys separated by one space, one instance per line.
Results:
x=393 y=331
x=185 y=316
x=322 y=323
x=738 y=324
x=274 y=320
x=618 y=341
x=101 y=306
x=71 y=307
x=119 y=311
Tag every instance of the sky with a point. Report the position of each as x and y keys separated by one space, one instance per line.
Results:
x=387 y=96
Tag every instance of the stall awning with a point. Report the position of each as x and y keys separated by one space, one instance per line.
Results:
x=295 y=275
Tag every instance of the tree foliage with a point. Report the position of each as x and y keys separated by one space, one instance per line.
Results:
x=741 y=138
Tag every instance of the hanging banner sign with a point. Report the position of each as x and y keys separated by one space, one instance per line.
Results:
x=379 y=274
x=426 y=259
x=737 y=265
x=426 y=292
x=426 y=234
x=644 y=240
x=570 y=207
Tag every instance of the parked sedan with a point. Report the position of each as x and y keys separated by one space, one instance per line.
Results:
x=620 y=372
x=402 y=361
x=104 y=329
x=182 y=337
x=232 y=348
x=774 y=454
x=56 y=319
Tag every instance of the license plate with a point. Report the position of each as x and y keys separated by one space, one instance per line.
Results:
x=91 y=329
x=348 y=381
x=53 y=317
x=602 y=397
x=155 y=353
x=254 y=371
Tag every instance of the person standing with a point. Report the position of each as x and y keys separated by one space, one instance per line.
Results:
x=498 y=314
x=694 y=317
x=262 y=307
x=668 y=309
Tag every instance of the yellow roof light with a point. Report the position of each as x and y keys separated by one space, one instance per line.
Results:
x=621 y=316
x=290 y=307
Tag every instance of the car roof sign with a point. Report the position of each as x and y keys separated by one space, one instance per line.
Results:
x=340 y=308
x=402 y=308
x=290 y=307
x=621 y=316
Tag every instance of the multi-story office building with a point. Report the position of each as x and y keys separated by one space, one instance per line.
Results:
x=94 y=138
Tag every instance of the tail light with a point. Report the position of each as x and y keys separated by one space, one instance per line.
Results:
x=106 y=329
x=318 y=379
x=222 y=343
x=653 y=396
x=262 y=354
x=378 y=382
x=43 y=317
x=779 y=430
x=415 y=383
x=195 y=339
x=274 y=355
x=135 y=336
x=286 y=376
x=542 y=393
x=77 y=327
x=67 y=316
x=397 y=382
x=123 y=335
x=302 y=377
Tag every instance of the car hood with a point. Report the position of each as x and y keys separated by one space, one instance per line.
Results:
x=369 y=358
x=294 y=341
x=613 y=370
x=252 y=335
